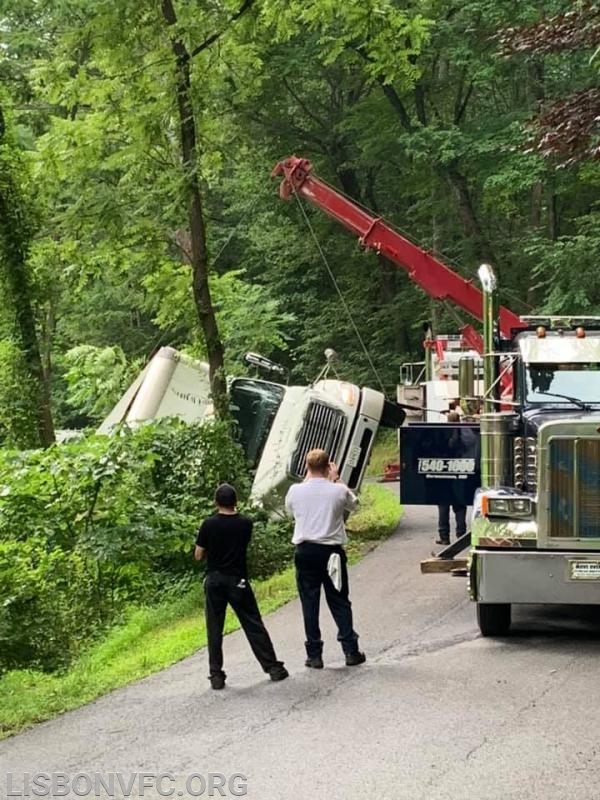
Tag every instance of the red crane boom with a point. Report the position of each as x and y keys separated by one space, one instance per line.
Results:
x=432 y=275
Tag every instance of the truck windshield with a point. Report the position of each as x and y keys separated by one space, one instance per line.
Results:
x=580 y=381
x=253 y=406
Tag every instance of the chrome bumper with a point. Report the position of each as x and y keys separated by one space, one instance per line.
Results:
x=508 y=576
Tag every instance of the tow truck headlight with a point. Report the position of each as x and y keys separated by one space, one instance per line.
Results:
x=507 y=507
x=497 y=506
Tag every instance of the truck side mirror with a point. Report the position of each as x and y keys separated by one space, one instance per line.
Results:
x=393 y=415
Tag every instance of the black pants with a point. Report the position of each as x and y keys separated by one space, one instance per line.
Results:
x=460 y=517
x=311 y=573
x=219 y=590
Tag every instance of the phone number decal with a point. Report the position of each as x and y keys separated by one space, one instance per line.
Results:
x=461 y=466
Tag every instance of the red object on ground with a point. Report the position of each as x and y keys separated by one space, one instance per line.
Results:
x=391 y=472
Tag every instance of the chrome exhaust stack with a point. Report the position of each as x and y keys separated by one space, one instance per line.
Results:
x=496 y=426
x=466 y=385
x=489 y=284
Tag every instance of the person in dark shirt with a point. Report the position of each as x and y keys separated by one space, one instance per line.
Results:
x=460 y=511
x=223 y=540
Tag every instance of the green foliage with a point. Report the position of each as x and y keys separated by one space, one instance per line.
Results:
x=96 y=378
x=385 y=37
x=17 y=398
x=96 y=525
x=49 y=604
x=154 y=637
x=249 y=316
x=270 y=549
x=376 y=518
x=569 y=290
x=386 y=450
x=16 y=230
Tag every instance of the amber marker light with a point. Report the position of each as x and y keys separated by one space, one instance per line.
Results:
x=580 y=332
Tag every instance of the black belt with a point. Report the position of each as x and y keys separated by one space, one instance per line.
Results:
x=318 y=544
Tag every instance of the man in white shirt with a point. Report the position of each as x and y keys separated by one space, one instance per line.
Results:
x=318 y=507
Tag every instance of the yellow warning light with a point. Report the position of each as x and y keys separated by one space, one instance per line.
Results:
x=541 y=332
x=580 y=332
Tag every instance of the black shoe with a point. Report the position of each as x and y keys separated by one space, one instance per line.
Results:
x=278 y=672
x=442 y=541
x=314 y=663
x=354 y=659
x=218 y=681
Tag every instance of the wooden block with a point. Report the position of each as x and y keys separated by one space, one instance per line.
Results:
x=442 y=564
x=460 y=572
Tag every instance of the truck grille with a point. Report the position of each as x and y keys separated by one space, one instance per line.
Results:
x=323 y=428
x=574 y=488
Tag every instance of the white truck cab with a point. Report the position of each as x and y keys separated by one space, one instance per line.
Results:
x=277 y=424
x=336 y=416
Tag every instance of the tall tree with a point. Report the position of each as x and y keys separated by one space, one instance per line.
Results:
x=15 y=238
x=567 y=129
x=111 y=153
x=396 y=104
x=189 y=158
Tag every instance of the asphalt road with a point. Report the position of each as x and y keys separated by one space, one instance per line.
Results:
x=436 y=713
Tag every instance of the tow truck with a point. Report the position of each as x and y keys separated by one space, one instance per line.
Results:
x=530 y=466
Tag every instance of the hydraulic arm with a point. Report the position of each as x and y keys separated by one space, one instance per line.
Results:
x=433 y=276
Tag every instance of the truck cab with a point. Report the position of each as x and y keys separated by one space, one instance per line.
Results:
x=338 y=417
x=535 y=532
x=277 y=424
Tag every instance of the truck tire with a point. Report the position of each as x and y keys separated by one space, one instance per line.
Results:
x=493 y=618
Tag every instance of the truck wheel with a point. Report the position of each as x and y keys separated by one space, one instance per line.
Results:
x=493 y=618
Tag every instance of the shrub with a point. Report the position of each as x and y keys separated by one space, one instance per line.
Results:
x=49 y=605
x=270 y=548
x=90 y=527
x=17 y=398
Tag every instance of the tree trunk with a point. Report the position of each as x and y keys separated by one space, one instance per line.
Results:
x=536 y=79
x=14 y=241
x=199 y=254
x=19 y=290
x=436 y=246
x=537 y=204
x=466 y=212
x=448 y=173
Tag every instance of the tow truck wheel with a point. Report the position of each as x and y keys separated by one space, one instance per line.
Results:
x=493 y=618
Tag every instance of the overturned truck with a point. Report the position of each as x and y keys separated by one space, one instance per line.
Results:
x=277 y=424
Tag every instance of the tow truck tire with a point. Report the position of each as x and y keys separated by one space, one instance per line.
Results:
x=493 y=618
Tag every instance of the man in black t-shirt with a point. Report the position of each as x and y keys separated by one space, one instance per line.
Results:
x=460 y=511
x=223 y=540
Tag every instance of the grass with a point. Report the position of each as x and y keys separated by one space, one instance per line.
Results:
x=386 y=449
x=154 y=638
